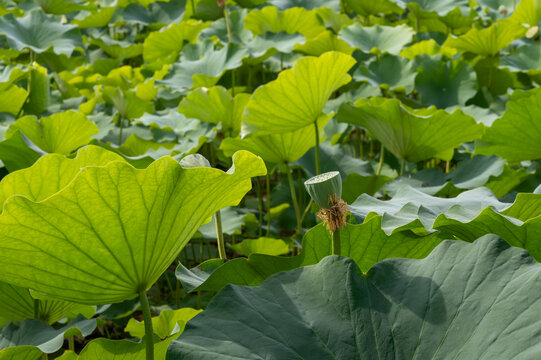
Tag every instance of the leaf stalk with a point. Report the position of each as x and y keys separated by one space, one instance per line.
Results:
x=149 y=333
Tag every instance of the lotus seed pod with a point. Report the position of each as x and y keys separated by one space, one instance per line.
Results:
x=193 y=161
x=322 y=188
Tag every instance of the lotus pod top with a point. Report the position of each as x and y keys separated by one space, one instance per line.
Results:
x=325 y=187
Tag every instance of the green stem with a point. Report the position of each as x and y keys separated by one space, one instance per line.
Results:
x=193 y=8
x=177 y=293
x=306 y=209
x=220 y=235
x=36 y=308
x=228 y=24
x=149 y=333
x=402 y=166
x=259 y=206
x=380 y=164
x=336 y=242
x=44 y=357
x=267 y=183
x=201 y=250
x=169 y=285
x=71 y=343
x=120 y=123
x=318 y=166
x=447 y=167
x=294 y=199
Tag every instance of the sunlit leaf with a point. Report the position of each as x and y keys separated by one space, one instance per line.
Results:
x=127 y=219
x=296 y=99
x=412 y=134
x=59 y=133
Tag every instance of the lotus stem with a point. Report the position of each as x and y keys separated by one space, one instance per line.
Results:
x=294 y=199
x=259 y=206
x=318 y=166
x=230 y=40
x=36 y=308
x=71 y=343
x=120 y=123
x=380 y=164
x=267 y=183
x=336 y=244
x=149 y=333
x=220 y=235
x=193 y=8
x=402 y=166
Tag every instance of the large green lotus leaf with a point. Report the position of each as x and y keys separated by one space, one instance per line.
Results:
x=47 y=176
x=215 y=106
x=263 y=245
x=525 y=58
x=39 y=32
x=202 y=64
x=367 y=8
x=444 y=83
x=470 y=215
x=94 y=19
x=307 y=4
x=278 y=148
x=413 y=209
x=163 y=47
x=52 y=173
x=393 y=72
x=295 y=20
x=441 y=7
x=325 y=41
x=24 y=352
x=169 y=322
x=412 y=134
x=106 y=349
x=522 y=234
x=16 y=154
x=60 y=7
x=41 y=335
x=262 y=47
x=469 y=174
x=156 y=13
x=426 y=47
x=377 y=39
x=115 y=215
x=122 y=49
x=12 y=99
x=296 y=99
x=59 y=133
x=366 y=243
x=515 y=136
x=464 y=301
x=487 y=41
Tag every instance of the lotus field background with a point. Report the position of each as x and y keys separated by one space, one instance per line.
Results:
x=153 y=160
